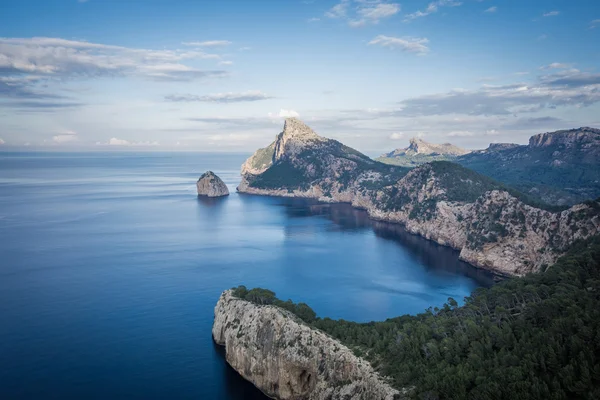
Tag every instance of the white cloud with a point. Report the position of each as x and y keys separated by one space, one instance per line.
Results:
x=2 y=142
x=492 y=132
x=226 y=63
x=61 y=58
x=460 y=134
x=284 y=114
x=595 y=23
x=397 y=135
x=432 y=8
x=412 y=45
x=288 y=113
x=251 y=95
x=118 y=142
x=208 y=43
x=65 y=136
x=551 y=14
x=556 y=65
x=362 y=12
x=491 y=10
x=310 y=20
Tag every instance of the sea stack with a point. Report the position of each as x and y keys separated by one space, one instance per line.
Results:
x=211 y=185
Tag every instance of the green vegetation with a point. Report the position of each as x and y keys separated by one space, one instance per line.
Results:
x=263 y=157
x=266 y=297
x=530 y=170
x=536 y=337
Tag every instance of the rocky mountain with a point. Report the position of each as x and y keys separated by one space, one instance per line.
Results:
x=561 y=167
x=286 y=359
x=493 y=226
x=300 y=163
x=209 y=184
x=420 y=152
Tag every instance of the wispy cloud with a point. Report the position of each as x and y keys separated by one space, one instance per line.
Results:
x=249 y=96
x=432 y=8
x=595 y=23
x=556 y=65
x=491 y=10
x=208 y=43
x=551 y=14
x=55 y=57
x=362 y=12
x=408 y=44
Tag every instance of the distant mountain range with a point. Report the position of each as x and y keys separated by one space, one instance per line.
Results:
x=421 y=152
x=561 y=167
x=493 y=225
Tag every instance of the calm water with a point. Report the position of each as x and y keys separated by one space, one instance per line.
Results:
x=110 y=268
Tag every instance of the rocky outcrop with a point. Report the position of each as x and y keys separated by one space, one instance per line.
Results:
x=441 y=201
x=286 y=359
x=419 y=146
x=211 y=185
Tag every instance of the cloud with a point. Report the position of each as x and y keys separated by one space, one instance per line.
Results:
x=566 y=88
x=595 y=23
x=542 y=37
x=310 y=20
x=492 y=132
x=491 y=10
x=225 y=62
x=251 y=95
x=397 y=135
x=285 y=114
x=408 y=44
x=432 y=8
x=123 y=142
x=209 y=43
x=65 y=137
x=551 y=14
x=460 y=134
x=2 y=142
x=359 y=13
x=556 y=65
x=61 y=58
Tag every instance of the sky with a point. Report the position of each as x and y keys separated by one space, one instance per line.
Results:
x=221 y=76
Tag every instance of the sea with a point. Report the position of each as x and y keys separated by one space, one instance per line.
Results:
x=111 y=266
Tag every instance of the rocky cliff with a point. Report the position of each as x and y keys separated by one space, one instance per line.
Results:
x=286 y=359
x=211 y=185
x=493 y=227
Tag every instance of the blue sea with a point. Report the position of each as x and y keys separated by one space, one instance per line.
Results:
x=110 y=268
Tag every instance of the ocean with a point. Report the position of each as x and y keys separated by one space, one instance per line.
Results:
x=110 y=268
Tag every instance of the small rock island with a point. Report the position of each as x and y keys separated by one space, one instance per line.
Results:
x=209 y=184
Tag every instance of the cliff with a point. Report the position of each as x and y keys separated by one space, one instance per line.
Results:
x=286 y=359
x=211 y=185
x=493 y=227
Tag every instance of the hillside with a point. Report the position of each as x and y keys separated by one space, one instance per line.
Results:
x=534 y=337
x=561 y=167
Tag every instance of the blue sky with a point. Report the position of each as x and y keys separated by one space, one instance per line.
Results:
x=222 y=75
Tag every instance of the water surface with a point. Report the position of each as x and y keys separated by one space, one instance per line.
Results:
x=111 y=266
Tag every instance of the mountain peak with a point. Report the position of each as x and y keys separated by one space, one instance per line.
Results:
x=421 y=147
x=295 y=137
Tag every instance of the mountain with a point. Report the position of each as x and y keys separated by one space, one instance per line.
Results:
x=420 y=152
x=561 y=167
x=493 y=226
x=300 y=163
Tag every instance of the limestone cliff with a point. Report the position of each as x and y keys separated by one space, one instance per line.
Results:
x=420 y=152
x=211 y=185
x=286 y=359
x=493 y=227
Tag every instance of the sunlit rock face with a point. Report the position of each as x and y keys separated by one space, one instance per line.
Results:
x=211 y=185
x=288 y=360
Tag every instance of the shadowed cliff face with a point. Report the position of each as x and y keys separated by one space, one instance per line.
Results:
x=493 y=229
x=286 y=359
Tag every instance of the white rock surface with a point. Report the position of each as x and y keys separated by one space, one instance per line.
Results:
x=286 y=359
